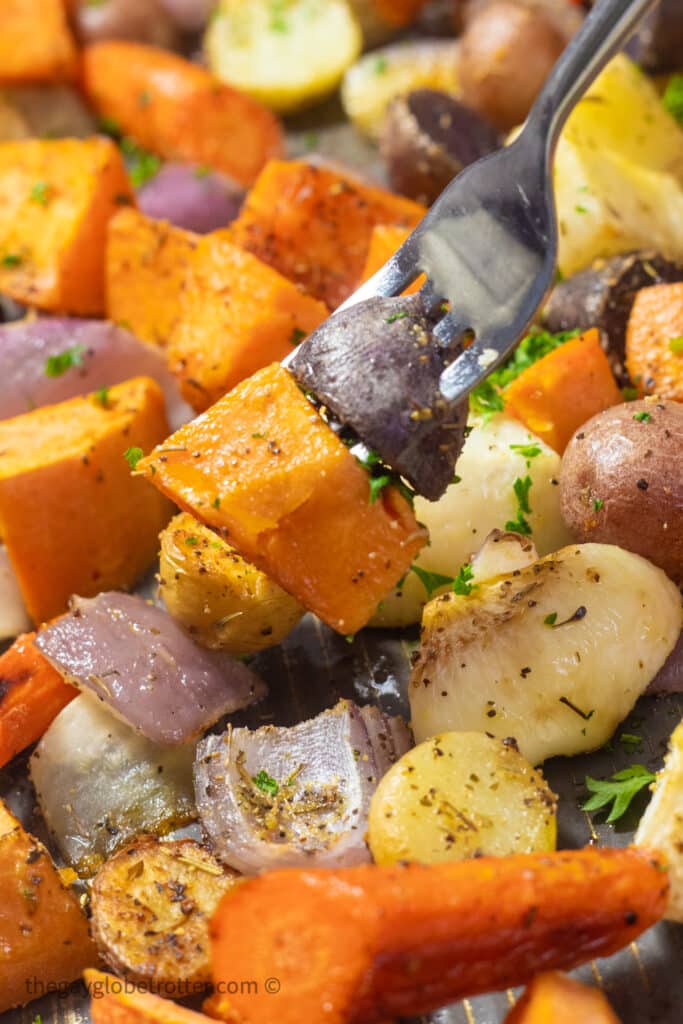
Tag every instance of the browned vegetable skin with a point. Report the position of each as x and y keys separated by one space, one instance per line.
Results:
x=621 y=481
x=151 y=906
x=654 y=341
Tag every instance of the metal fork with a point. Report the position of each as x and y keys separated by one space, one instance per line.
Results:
x=488 y=246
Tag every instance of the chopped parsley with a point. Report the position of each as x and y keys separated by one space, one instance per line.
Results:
x=11 y=259
x=630 y=740
x=597 y=504
x=580 y=209
x=462 y=584
x=102 y=397
x=266 y=783
x=521 y=487
x=109 y=126
x=297 y=336
x=58 y=364
x=142 y=165
x=642 y=417
x=133 y=456
x=192 y=541
x=486 y=400
x=401 y=315
x=619 y=790
x=278 y=22
x=381 y=476
x=40 y=193
x=676 y=345
x=381 y=65
x=550 y=620
x=202 y=171
x=673 y=98
x=431 y=581
x=377 y=485
x=629 y=394
x=216 y=503
x=527 y=451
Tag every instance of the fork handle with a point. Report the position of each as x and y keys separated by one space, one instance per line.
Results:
x=602 y=35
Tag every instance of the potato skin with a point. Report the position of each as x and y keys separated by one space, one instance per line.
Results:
x=620 y=482
x=507 y=52
x=222 y=600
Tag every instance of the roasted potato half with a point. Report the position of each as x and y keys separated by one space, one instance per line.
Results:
x=460 y=795
x=151 y=907
x=222 y=600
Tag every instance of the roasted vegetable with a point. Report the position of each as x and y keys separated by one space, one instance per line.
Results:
x=114 y=1002
x=35 y=42
x=13 y=615
x=460 y=795
x=186 y=113
x=265 y=469
x=287 y=56
x=223 y=601
x=554 y=998
x=191 y=197
x=44 y=360
x=658 y=42
x=507 y=51
x=56 y=197
x=144 y=668
x=519 y=655
x=662 y=824
x=377 y=367
x=99 y=784
x=621 y=482
x=237 y=315
x=48 y=112
x=385 y=240
x=373 y=943
x=151 y=905
x=654 y=341
x=32 y=693
x=603 y=296
x=291 y=796
x=540 y=395
x=498 y=457
x=95 y=527
x=428 y=138
x=43 y=931
x=146 y=268
x=380 y=19
x=125 y=19
x=299 y=218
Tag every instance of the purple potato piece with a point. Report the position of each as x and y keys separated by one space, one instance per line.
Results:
x=428 y=138
x=141 y=21
x=145 y=668
x=191 y=197
x=104 y=355
x=658 y=44
x=603 y=297
x=376 y=367
x=189 y=15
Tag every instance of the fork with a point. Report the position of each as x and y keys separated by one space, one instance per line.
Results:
x=488 y=246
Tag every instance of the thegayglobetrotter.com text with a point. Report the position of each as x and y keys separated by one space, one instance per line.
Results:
x=35 y=988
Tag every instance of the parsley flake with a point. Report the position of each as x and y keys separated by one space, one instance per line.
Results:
x=40 y=193
x=619 y=790
x=381 y=66
x=462 y=584
x=58 y=364
x=550 y=620
x=11 y=259
x=142 y=165
x=102 y=397
x=266 y=783
x=673 y=98
x=297 y=336
x=597 y=504
x=133 y=456
x=527 y=451
x=431 y=581
x=642 y=417
x=676 y=346
x=401 y=315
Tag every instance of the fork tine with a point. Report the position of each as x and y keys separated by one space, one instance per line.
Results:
x=471 y=367
x=452 y=329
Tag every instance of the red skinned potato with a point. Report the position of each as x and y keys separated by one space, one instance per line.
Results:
x=141 y=22
x=620 y=482
x=507 y=52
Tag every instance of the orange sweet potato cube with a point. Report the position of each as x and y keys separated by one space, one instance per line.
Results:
x=385 y=240
x=554 y=998
x=35 y=42
x=72 y=517
x=654 y=341
x=56 y=197
x=314 y=224
x=263 y=468
x=146 y=267
x=237 y=315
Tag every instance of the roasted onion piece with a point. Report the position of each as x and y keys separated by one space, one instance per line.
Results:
x=191 y=197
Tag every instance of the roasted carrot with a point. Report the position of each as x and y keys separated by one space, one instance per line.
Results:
x=237 y=315
x=555 y=395
x=44 y=939
x=146 y=267
x=554 y=998
x=114 y=1001
x=91 y=526
x=314 y=224
x=263 y=467
x=397 y=13
x=179 y=110
x=384 y=241
x=35 y=42
x=654 y=341
x=360 y=945
x=32 y=693
x=56 y=197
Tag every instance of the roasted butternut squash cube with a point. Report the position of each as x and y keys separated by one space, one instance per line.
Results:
x=237 y=315
x=146 y=266
x=314 y=224
x=35 y=42
x=263 y=468
x=72 y=517
x=44 y=938
x=56 y=197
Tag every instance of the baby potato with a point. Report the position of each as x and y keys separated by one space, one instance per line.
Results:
x=223 y=601
x=461 y=795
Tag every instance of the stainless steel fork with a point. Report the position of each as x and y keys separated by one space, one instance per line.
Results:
x=489 y=244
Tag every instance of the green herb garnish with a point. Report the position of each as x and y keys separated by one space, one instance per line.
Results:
x=527 y=451
x=521 y=487
x=431 y=581
x=401 y=315
x=102 y=396
x=377 y=485
x=597 y=504
x=619 y=790
x=57 y=365
x=642 y=417
x=673 y=98
x=486 y=400
x=11 y=259
x=297 y=336
x=266 y=783
x=462 y=584
x=550 y=620
x=133 y=456
x=192 y=541
x=142 y=165
x=676 y=345
x=381 y=66
x=40 y=193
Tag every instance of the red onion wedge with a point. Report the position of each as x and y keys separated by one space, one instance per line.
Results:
x=195 y=198
x=46 y=360
x=277 y=797
x=146 y=669
x=669 y=679
x=99 y=784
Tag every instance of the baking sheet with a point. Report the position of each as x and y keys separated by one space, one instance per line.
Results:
x=310 y=672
